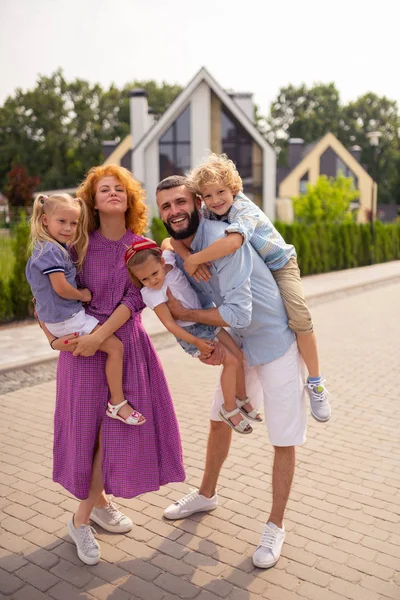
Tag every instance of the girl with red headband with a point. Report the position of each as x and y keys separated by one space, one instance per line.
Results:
x=154 y=272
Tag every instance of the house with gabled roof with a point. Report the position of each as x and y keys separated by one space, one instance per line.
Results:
x=202 y=117
x=327 y=156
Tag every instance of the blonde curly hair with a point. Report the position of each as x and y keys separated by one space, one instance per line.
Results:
x=135 y=216
x=217 y=169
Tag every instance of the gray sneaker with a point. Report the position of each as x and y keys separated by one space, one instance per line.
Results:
x=111 y=519
x=319 y=403
x=87 y=547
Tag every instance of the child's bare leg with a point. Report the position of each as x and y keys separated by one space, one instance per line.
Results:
x=114 y=349
x=307 y=343
x=229 y=343
x=228 y=384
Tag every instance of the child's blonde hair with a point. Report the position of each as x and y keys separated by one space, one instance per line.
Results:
x=217 y=169
x=47 y=205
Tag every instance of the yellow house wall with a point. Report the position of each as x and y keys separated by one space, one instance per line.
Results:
x=117 y=155
x=291 y=184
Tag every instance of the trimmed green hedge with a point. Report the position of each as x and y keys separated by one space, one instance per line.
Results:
x=333 y=247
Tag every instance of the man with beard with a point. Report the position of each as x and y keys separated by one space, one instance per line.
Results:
x=241 y=294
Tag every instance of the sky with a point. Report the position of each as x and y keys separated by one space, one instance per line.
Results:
x=254 y=46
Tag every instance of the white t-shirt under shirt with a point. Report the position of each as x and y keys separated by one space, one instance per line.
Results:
x=179 y=286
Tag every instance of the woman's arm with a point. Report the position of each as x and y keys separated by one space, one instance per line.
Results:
x=66 y=290
x=87 y=345
x=67 y=343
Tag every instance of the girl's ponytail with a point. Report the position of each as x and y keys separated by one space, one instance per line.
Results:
x=81 y=241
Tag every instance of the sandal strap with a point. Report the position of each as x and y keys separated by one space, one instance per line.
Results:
x=231 y=413
x=241 y=403
x=114 y=408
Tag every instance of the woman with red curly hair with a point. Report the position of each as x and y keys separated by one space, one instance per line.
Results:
x=93 y=455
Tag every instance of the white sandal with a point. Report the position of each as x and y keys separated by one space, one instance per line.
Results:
x=252 y=414
x=242 y=427
x=133 y=419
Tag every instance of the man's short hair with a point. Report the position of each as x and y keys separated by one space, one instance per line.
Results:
x=171 y=182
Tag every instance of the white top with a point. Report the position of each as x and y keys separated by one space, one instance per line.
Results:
x=179 y=286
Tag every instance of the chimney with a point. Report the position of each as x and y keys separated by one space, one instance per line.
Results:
x=138 y=114
x=245 y=101
x=296 y=146
x=356 y=152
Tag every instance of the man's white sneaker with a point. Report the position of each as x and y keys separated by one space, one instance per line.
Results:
x=269 y=550
x=111 y=519
x=86 y=546
x=319 y=403
x=190 y=504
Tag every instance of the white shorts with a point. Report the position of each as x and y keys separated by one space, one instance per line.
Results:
x=81 y=323
x=281 y=385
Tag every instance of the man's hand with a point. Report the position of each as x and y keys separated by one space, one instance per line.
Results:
x=216 y=358
x=175 y=307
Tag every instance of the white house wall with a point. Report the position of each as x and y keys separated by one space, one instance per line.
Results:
x=269 y=182
x=200 y=118
x=152 y=176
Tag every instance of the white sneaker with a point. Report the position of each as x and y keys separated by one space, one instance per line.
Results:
x=319 y=403
x=111 y=519
x=86 y=546
x=190 y=504
x=269 y=550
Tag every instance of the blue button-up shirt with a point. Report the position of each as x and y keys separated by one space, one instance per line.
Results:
x=247 y=297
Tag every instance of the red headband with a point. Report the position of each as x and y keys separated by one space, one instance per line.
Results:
x=144 y=244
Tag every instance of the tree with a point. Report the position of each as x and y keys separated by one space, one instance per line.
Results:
x=310 y=113
x=20 y=187
x=374 y=113
x=328 y=201
x=56 y=130
x=302 y=112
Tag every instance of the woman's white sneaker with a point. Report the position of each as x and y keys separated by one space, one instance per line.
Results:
x=111 y=519
x=190 y=504
x=269 y=550
x=86 y=546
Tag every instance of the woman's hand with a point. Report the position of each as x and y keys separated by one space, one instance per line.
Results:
x=67 y=343
x=87 y=345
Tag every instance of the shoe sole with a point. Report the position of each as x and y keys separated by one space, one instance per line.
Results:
x=262 y=566
x=319 y=419
x=110 y=528
x=85 y=559
x=189 y=514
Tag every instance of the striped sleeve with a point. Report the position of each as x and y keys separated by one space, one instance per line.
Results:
x=52 y=259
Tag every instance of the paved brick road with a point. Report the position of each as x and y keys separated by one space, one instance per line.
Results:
x=343 y=519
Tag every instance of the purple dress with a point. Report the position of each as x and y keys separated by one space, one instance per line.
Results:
x=135 y=459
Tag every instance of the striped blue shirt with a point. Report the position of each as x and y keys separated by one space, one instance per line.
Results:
x=248 y=219
x=246 y=295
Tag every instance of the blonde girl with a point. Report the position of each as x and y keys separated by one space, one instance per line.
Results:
x=59 y=230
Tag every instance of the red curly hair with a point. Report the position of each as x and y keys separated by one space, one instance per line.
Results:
x=135 y=216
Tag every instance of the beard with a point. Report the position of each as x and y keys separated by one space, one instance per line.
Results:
x=191 y=229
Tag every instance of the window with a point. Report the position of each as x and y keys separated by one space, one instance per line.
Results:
x=303 y=184
x=174 y=147
x=238 y=145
